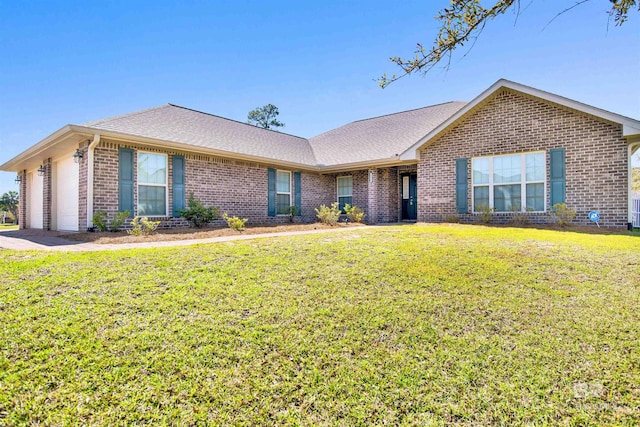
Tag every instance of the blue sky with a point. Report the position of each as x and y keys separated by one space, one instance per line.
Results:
x=70 y=62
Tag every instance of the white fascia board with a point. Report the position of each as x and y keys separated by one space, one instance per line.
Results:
x=629 y=126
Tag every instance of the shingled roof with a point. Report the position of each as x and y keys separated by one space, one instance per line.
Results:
x=378 y=138
x=381 y=137
x=182 y=125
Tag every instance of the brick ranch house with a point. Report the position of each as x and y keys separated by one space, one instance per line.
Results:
x=513 y=148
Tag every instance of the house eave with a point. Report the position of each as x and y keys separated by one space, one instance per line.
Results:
x=188 y=148
x=63 y=139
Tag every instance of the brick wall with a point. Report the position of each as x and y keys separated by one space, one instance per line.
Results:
x=47 y=195
x=236 y=187
x=82 y=188
x=512 y=122
x=22 y=200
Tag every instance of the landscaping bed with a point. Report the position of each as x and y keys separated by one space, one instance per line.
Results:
x=183 y=233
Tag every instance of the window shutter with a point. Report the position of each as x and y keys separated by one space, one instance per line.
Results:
x=177 y=166
x=271 y=187
x=297 y=184
x=557 y=175
x=462 y=184
x=125 y=180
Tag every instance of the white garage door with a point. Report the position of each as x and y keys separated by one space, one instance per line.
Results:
x=34 y=194
x=66 y=193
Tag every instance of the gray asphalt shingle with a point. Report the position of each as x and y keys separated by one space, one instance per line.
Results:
x=378 y=138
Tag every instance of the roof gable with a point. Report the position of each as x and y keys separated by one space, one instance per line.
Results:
x=631 y=127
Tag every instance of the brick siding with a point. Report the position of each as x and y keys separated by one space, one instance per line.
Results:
x=47 y=195
x=22 y=200
x=512 y=122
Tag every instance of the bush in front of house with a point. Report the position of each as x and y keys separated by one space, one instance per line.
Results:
x=234 y=222
x=486 y=214
x=564 y=214
x=100 y=221
x=292 y=211
x=354 y=213
x=197 y=213
x=118 y=220
x=143 y=226
x=328 y=215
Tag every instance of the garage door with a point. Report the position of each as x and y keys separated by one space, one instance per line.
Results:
x=34 y=194
x=67 y=195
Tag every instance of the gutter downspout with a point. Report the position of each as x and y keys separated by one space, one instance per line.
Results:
x=92 y=146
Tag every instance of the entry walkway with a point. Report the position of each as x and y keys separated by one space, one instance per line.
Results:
x=55 y=241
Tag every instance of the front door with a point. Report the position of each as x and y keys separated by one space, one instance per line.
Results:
x=409 y=196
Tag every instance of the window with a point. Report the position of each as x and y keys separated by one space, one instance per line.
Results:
x=152 y=184
x=345 y=191
x=283 y=192
x=510 y=183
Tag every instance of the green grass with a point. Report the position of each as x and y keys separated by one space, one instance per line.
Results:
x=404 y=325
x=8 y=227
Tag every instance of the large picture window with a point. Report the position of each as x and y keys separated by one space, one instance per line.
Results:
x=152 y=184
x=511 y=183
x=345 y=191
x=283 y=192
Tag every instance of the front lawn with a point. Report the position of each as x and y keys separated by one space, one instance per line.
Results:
x=403 y=325
x=8 y=227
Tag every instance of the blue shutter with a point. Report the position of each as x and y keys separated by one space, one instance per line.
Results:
x=462 y=175
x=297 y=184
x=177 y=166
x=557 y=175
x=271 y=189
x=125 y=180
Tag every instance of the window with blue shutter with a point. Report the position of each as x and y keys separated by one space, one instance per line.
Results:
x=125 y=180
x=462 y=204
x=177 y=163
x=557 y=176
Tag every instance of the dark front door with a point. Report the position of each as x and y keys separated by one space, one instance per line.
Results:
x=409 y=188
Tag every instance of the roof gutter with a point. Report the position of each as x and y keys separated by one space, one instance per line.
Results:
x=90 y=161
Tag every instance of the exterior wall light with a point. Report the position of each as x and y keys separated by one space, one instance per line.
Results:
x=78 y=156
x=18 y=179
x=41 y=170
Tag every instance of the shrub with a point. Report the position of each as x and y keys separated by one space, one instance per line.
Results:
x=197 y=213
x=518 y=217
x=354 y=213
x=452 y=218
x=118 y=220
x=100 y=220
x=143 y=226
x=292 y=211
x=564 y=215
x=328 y=215
x=235 y=222
x=486 y=214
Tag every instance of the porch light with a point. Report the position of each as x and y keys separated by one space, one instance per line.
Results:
x=41 y=170
x=78 y=156
x=18 y=179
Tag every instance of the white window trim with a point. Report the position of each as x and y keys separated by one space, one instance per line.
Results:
x=338 y=186
x=523 y=181
x=290 y=193
x=165 y=185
